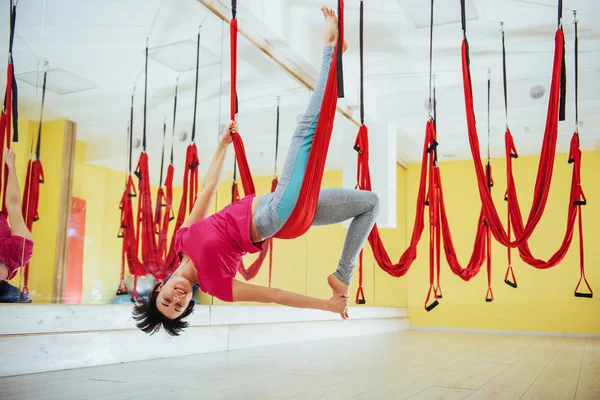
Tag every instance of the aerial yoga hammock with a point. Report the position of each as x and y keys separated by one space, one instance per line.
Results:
x=251 y=272
x=546 y=164
x=33 y=179
x=430 y=194
x=159 y=256
x=304 y=212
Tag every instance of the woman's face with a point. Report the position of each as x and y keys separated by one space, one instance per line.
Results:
x=174 y=296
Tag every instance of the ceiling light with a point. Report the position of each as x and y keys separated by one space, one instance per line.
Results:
x=181 y=56
x=445 y=12
x=537 y=91
x=58 y=81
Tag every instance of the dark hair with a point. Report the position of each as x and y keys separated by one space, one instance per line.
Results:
x=150 y=319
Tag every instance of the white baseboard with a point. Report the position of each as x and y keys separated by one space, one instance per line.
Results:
x=503 y=332
x=40 y=338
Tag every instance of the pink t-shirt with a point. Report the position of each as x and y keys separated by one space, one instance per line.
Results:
x=15 y=251
x=216 y=245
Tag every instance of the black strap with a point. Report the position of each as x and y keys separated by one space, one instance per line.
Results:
x=15 y=107
x=435 y=150
x=196 y=87
x=276 y=139
x=131 y=132
x=162 y=157
x=489 y=85
x=361 y=47
x=234 y=8
x=504 y=77
x=489 y=163
x=128 y=151
x=563 y=73
x=39 y=135
x=430 y=106
x=339 y=65
x=145 y=98
x=463 y=18
x=174 y=119
x=560 y=12
x=13 y=21
x=576 y=76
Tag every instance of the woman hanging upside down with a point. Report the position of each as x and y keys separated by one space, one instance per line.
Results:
x=16 y=242
x=212 y=246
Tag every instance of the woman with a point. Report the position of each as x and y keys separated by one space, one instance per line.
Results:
x=16 y=242
x=212 y=246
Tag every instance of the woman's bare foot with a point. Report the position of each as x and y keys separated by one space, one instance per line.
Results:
x=331 y=28
x=340 y=289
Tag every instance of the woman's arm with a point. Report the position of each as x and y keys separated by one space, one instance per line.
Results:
x=247 y=292
x=13 y=199
x=204 y=201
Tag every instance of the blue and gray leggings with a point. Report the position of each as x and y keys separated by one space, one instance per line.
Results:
x=335 y=205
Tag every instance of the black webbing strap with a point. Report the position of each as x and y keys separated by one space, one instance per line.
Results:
x=489 y=162
x=145 y=98
x=15 y=91
x=196 y=86
x=435 y=149
x=339 y=65
x=162 y=157
x=276 y=138
x=234 y=8
x=39 y=135
x=563 y=72
x=560 y=13
x=463 y=18
x=127 y=152
x=11 y=35
x=504 y=76
x=174 y=119
x=131 y=131
x=430 y=105
x=361 y=47
x=576 y=76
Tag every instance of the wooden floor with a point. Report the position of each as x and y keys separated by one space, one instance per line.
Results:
x=407 y=365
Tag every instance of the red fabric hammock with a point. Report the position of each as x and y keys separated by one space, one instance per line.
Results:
x=188 y=196
x=546 y=164
x=431 y=184
x=29 y=206
x=364 y=182
x=303 y=214
x=130 y=246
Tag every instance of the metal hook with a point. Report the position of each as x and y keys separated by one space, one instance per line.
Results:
x=575 y=17
x=489 y=74
x=502 y=26
x=278 y=100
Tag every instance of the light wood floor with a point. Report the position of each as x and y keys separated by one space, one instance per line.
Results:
x=407 y=365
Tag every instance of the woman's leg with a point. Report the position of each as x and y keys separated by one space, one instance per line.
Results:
x=337 y=205
x=274 y=209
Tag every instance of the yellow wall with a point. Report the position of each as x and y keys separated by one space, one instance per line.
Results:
x=41 y=275
x=543 y=301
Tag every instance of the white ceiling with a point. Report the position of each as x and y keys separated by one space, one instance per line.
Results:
x=103 y=42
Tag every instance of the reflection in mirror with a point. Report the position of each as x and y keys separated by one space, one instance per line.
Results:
x=126 y=137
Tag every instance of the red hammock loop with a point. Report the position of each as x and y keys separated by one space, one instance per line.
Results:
x=545 y=168
x=303 y=214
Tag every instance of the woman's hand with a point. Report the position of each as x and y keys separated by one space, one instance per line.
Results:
x=9 y=158
x=338 y=304
x=226 y=138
